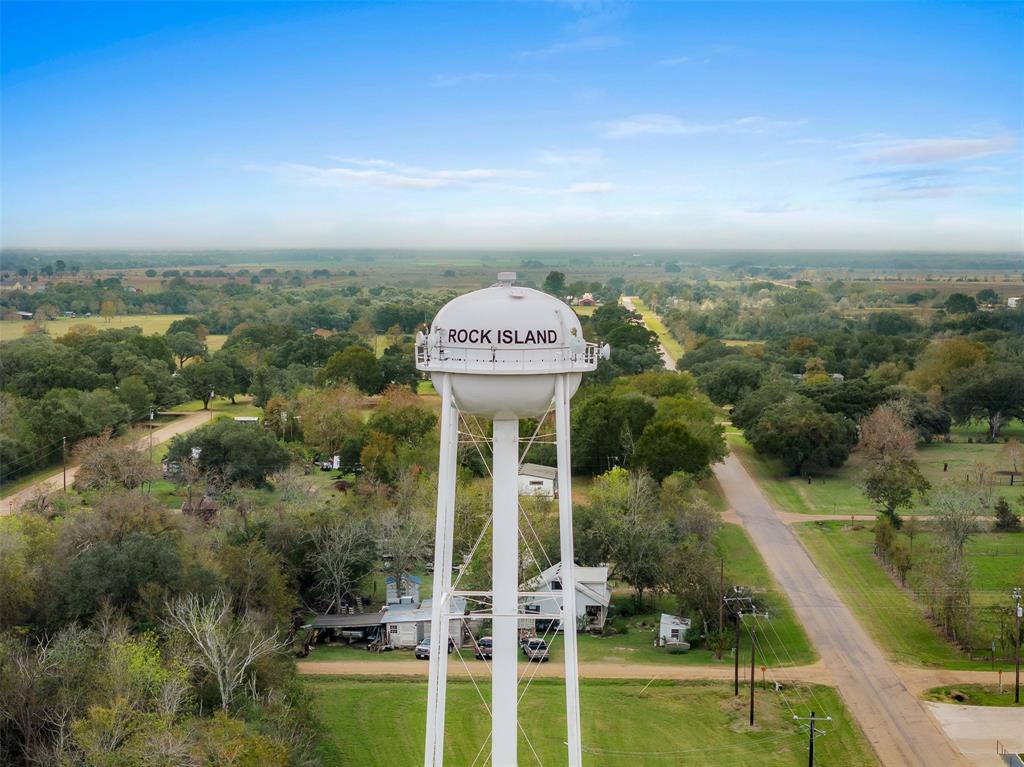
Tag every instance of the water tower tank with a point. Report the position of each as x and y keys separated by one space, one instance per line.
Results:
x=504 y=346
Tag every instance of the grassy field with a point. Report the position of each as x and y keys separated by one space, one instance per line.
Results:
x=221 y=406
x=974 y=695
x=891 y=614
x=654 y=323
x=838 y=492
x=150 y=323
x=625 y=724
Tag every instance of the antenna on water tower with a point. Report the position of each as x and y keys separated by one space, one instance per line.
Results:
x=504 y=353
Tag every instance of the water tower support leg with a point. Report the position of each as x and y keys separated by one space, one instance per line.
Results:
x=433 y=755
x=505 y=579
x=572 y=671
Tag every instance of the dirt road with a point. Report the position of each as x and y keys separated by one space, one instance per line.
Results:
x=894 y=721
x=55 y=481
x=815 y=673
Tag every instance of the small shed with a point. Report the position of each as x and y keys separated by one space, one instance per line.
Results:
x=410 y=590
x=407 y=625
x=535 y=479
x=672 y=631
x=593 y=595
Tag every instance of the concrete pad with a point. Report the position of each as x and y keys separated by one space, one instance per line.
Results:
x=975 y=730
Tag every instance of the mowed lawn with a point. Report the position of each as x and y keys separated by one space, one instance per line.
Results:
x=839 y=491
x=890 y=613
x=371 y=723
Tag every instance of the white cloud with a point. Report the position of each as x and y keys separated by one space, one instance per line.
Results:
x=914 y=151
x=590 y=43
x=448 y=81
x=656 y=124
x=675 y=61
x=385 y=173
x=592 y=187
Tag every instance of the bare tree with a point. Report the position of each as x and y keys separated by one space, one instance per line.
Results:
x=957 y=508
x=403 y=539
x=1011 y=455
x=884 y=434
x=222 y=643
x=103 y=461
x=342 y=555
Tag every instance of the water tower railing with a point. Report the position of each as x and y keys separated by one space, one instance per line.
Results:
x=476 y=359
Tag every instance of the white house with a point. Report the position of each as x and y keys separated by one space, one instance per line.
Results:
x=535 y=479
x=1013 y=302
x=593 y=595
x=672 y=631
x=406 y=625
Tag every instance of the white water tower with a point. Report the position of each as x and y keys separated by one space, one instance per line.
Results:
x=503 y=353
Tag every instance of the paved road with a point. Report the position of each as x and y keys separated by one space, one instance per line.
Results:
x=55 y=481
x=894 y=721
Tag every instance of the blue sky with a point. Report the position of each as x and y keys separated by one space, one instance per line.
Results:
x=682 y=125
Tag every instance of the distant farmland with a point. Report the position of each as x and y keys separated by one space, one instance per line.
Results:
x=151 y=324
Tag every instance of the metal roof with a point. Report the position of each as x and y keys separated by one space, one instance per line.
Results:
x=536 y=470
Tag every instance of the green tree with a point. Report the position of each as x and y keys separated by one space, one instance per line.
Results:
x=202 y=380
x=668 y=446
x=398 y=366
x=1006 y=520
x=960 y=303
x=554 y=283
x=241 y=452
x=356 y=365
x=185 y=346
x=801 y=434
x=892 y=483
x=136 y=396
x=403 y=416
x=994 y=391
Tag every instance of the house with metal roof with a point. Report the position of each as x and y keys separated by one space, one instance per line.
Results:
x=593 y=595
x=535 y=479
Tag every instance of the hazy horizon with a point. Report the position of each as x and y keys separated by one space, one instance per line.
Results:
x=185 y=126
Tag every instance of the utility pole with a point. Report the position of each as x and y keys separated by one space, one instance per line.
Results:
x=64 y=453
x=211 y=404
x=721 y=605
x=736 y=604
x=812 y=732
x=753 y=655
x=151 y=414
x=736 y=659
x=1018 y=612
x=753 y=659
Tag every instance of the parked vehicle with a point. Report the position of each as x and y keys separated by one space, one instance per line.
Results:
x=536 y=650
x=423 y=648
x=484 y=648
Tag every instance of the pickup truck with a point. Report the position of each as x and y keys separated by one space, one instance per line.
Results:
x=484 y=648
x=536 y=650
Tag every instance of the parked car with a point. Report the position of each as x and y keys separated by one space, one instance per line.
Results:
x=423 y=648
x=484 y=648
x=536 y=650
